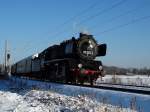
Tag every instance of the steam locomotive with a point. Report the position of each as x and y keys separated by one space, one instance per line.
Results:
x=72 y=61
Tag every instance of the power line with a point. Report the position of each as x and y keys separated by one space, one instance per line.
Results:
x=75 y=17
x=125 y=24
x=70 y=19
x=93 y=16
x=80 y=13
x=103 y=11
x=97 y=14
x=118 y=16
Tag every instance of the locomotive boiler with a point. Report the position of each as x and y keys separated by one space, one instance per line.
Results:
x=72 y=61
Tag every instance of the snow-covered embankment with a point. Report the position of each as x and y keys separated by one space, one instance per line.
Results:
x=29 y=96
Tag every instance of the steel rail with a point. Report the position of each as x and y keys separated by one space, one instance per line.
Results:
x=119 y=89
x=130 y=85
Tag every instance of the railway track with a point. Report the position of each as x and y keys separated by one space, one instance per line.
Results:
x=119 y=88
x=114 y=87
x=125 y=85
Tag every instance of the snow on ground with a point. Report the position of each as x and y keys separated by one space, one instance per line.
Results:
x=9 y=101
x=14 y=99
x=139 y=80
x=45 y=101
x=35 y=96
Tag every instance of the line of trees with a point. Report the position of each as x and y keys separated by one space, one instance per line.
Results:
x=126 y=71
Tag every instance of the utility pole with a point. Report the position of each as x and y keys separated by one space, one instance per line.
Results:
x=7 y=59
x=5 y=62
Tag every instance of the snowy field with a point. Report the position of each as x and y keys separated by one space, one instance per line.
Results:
x=139 y=80
x=35 y=96
x=48 y=101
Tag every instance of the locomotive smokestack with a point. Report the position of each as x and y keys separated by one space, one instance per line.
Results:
x=81 y=34
x=85 y=34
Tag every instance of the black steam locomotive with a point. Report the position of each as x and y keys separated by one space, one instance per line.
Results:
x=73 y=61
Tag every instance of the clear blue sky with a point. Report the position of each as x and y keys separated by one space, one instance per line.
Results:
x=32 y=25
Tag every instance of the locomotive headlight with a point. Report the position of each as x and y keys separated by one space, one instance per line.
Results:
x=91 y=46
x=80 y=65
x=100 y=68
x=90 y=41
